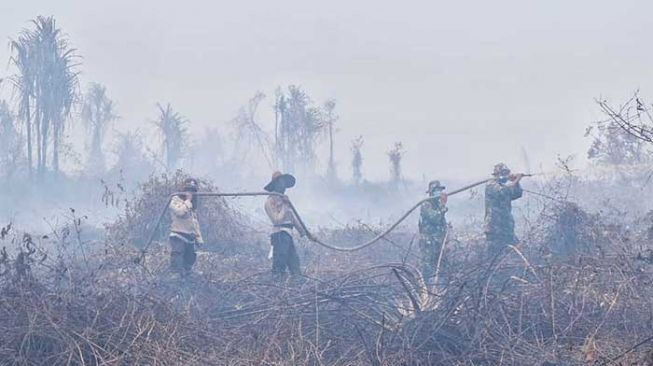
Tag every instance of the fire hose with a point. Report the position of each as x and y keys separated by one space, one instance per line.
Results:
x=309 y=235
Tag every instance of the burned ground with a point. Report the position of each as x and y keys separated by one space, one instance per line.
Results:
x=578 y=291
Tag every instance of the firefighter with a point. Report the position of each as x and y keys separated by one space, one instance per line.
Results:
x=284 y=225
x=185 y=229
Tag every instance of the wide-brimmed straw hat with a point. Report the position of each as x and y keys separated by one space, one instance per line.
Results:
x=287 y=179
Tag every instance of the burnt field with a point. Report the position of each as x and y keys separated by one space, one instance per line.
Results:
x=578 y=290
x=412 y=140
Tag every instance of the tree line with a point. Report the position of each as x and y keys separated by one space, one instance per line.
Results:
x=48 y=99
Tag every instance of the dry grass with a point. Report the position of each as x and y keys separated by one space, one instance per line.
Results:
x=65 y=301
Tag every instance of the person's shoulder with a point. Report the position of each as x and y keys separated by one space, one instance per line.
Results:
x=427 y=204
x=273 y=200
x=493 y=184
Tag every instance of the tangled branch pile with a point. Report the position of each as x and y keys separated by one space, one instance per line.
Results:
x=220 y=224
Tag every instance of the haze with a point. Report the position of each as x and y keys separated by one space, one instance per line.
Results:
x=461 y=84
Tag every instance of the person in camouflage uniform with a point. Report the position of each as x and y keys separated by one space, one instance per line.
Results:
x=499 y=222
x=432 y=228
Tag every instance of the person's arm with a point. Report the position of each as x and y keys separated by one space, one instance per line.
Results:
x=433 y=213
x=295 y=220
x=444 y=198
x=516 y=191
x=198 y=232
x=181 y=207
x=274 y=210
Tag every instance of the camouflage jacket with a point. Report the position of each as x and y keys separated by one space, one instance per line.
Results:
x=432 y=219
x=499 y=223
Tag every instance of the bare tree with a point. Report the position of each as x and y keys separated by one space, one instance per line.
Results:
x=330 y=118
x=47 y=83
x=298 y=129
x=249 y=132
x=395 y=155
x=622 y=137
x=357 y=159
x=97 y=114
x=172 y=128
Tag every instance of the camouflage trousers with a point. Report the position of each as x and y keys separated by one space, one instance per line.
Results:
x=182 y=255
x=284 y=254
x=430 y=247
x=496 y=244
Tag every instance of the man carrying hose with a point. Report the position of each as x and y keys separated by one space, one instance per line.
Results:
x=284 y=222
x=432 y=228
x=499 y=222
x=184 y=229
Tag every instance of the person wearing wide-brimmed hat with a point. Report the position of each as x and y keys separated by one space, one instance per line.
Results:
x=284 y=224
x=432 y=228
x=184 y=228
x=499 y=222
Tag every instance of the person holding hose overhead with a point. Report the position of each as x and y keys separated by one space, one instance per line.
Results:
x=284 y=224
x=499 y=222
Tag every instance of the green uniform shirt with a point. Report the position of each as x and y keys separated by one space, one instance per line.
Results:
x=432 y=221
x=499 y=222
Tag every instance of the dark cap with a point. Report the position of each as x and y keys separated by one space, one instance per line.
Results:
x=190 y=185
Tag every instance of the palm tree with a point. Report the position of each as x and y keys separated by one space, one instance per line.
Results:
x=249 y=133
x=47 y=83
x=172 y=129
x=97 y=115
x=298 y=128
x=24 y=85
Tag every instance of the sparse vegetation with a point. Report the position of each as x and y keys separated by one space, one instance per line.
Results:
x=577 y=290
x=519 y=308
x=47 y=82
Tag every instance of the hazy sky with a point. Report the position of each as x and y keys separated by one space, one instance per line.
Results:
x=462 y=84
